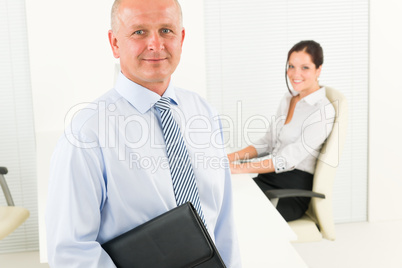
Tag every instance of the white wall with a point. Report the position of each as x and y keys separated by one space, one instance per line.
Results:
x=385 y=147
x=191 y=72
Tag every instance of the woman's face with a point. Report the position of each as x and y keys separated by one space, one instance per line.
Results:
x=302 y=73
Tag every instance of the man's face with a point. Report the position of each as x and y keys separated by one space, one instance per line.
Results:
x=148 y=41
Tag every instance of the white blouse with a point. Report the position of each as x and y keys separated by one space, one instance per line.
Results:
x=297 y=144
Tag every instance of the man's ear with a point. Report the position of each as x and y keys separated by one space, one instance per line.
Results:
x=114 y=44
x=183 y=33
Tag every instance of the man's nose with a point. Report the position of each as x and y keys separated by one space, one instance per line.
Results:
x=155 y=42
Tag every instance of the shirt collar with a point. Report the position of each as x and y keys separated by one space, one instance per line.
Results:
x=140 y=97
x=316 y=96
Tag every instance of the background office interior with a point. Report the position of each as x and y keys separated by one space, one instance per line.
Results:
x=55 y=55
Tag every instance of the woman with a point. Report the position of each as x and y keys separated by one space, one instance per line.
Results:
x=303 y=121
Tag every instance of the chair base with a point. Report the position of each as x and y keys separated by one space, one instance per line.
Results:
x=305 y=229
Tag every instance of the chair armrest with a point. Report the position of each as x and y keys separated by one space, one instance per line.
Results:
x=282 y=193
x=4 y=186
x=3 y=170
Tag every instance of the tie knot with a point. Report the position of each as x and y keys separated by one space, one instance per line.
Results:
x=163 y=103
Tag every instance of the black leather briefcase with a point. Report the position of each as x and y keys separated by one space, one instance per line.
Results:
x=175 y=239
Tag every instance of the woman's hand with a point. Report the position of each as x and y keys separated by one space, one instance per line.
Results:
x=234 y=168
x=248 y=153
x=244 y=154
x=264 y=166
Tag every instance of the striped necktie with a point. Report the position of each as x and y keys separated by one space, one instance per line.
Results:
x=184 y=184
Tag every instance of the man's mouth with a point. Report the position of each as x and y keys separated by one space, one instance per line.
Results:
x=155 y=59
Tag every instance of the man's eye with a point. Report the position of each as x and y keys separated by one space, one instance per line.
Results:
x=166 y=31
x=139 y=32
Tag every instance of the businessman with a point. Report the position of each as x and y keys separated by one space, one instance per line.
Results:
x=114 y=168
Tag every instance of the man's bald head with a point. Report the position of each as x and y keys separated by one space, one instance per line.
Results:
x=114 y=21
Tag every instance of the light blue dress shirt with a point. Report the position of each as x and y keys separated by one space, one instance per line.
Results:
x=110 y=173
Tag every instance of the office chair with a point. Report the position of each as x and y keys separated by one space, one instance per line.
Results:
x=10 y=216
x=318 y=221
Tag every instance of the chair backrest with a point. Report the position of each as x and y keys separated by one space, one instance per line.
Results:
x=321 y=209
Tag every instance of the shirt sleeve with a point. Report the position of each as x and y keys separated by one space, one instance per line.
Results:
x=76 y=194
x=315 y=131
x=225 y=230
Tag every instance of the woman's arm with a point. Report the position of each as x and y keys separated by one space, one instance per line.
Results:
x=247 y=153
x=264 y=166
x=244 y=154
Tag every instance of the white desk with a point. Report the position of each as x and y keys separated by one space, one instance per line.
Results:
x=264 y=236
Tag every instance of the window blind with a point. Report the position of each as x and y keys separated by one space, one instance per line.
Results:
x=246 y=49
x=17 y=139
